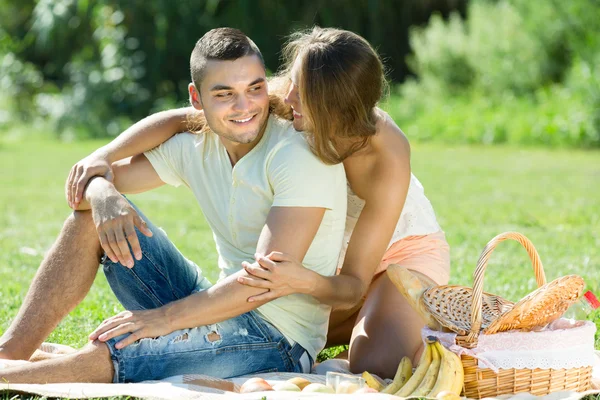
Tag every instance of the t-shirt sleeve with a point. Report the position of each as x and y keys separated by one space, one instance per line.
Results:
x=300 y=179
x=170 y=158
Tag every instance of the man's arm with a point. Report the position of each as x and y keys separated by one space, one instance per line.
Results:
x=287 y=229
x=142 y=136
x=114 y=217
x=131 y=175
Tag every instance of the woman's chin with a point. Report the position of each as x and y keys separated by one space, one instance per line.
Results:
x=298 y=124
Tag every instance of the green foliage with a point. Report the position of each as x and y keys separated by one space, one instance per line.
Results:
x=441 y=54
x=331 y=352
x=514 y=71
x=595 y=317
x=103 y=63
x=553 y=116
x=502 y=46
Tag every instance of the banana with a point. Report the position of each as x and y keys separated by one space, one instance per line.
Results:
x=432 y=373
x=412 y=286
x=451 y=373
x=403 y=374
x=459 y=382
x=419 y=374
x=372 y=381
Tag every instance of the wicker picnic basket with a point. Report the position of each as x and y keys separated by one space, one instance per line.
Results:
x=467 y=311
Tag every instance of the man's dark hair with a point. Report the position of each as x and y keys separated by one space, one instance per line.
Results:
x=223 y=44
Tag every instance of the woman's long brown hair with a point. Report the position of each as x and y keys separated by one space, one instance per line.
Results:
x=341 y=81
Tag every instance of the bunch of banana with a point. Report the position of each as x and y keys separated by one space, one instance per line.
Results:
x=402 y=376
x=373 y=381
x=439 y=370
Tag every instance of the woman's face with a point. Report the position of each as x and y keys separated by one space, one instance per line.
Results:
x=293 y=96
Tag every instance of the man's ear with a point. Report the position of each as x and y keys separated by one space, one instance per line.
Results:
x=194 y=97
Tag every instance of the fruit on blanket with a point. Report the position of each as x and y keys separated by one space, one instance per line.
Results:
x=255 y=385
x=346 y=387
x=440 y=373
x=366 y=389
x=412 y=286
x=373 y=381
x=432 y=372
x=318 y=388
x=447 y=396
x=402 y=376
x=300 y=382
x=451 y=375
x=419 y=374
x=286 y=386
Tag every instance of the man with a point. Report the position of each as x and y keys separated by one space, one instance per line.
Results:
x=261 y=190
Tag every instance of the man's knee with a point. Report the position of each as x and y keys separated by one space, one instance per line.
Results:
x=96 y=356
x=79 y=221
x=95 y=349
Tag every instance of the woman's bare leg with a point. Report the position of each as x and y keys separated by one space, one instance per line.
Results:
x=387 y=329
x=341 y=324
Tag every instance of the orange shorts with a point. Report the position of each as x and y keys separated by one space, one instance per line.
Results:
x=427 y=254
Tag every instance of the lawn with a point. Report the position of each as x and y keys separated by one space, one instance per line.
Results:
x=551 y=196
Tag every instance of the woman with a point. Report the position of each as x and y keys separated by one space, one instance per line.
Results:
x=333 y=80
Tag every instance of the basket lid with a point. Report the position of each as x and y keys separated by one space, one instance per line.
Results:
x=450 y=305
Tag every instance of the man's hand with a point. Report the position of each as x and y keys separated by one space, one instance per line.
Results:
x=279 y=274
x=96 y=164
x=140 y=323
x=115 y=221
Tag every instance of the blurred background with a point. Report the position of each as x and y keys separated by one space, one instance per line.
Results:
x=479 y=71
x=499 y=99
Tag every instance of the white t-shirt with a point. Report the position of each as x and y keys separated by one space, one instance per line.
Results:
x=279 y=171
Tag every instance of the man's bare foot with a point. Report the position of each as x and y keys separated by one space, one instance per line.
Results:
x=56 y=348
x=51 y=350
x=40 y=355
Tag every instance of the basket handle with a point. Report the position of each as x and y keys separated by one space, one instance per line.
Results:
x=470 y=340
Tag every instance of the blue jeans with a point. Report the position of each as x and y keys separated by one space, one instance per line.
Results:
x=238 y=346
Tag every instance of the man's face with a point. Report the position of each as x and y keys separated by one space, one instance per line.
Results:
x=234 y=97
x=293 y=96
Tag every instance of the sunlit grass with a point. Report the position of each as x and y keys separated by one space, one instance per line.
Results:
x=551 y=196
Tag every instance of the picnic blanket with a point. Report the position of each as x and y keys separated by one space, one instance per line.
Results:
x=207 y=388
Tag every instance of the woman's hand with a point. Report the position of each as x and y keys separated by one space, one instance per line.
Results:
x=279 y=274
x=96 y=164
x=140 y=323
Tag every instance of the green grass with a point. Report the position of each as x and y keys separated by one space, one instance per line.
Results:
x=552 y=196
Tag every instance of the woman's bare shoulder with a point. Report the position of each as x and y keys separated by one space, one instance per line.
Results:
x=390 y=140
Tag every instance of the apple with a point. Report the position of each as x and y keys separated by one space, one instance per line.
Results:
x=255 y=385
x=366 y=389
x=346 y=387
x=318 y=388
x=300 y=382
x=286 y=386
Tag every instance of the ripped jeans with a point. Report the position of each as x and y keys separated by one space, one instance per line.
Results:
x=238 y=346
